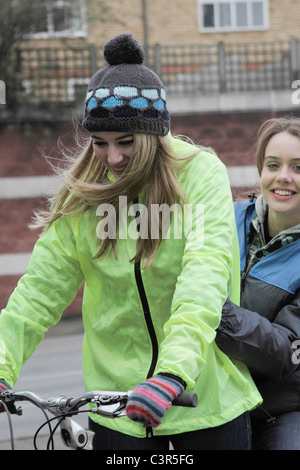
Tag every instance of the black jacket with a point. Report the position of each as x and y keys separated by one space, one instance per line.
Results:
x=264 y=332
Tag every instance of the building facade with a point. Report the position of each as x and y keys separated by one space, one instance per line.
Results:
x=169 y=22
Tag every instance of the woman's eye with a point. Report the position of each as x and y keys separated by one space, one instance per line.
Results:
x=126 y=142
x=99 y=144
x=272 y=166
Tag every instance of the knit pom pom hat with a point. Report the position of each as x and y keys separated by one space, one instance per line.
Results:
x=125 y=95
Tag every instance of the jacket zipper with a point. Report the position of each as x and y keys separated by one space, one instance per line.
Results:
x=147 y=316
x=244 y=273
x=243 y=279
x=146 y=309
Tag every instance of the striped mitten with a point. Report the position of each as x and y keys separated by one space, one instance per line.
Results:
x=150 y=399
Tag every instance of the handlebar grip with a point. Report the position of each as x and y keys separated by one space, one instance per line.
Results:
x=186 y=399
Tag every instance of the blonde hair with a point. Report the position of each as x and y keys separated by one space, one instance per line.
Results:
x=85 y=182
x=268 y=129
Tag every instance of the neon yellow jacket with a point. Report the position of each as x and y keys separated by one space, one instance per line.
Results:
x=184 y=290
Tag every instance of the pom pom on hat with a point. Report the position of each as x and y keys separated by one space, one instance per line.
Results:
x=125 y=95
x=124 y=49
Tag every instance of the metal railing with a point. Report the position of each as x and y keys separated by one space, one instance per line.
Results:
x=222 y=68
x=61 y=75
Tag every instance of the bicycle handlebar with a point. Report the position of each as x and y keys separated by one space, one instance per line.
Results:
x=62 y=404
x=73 y=435
x=186 y=399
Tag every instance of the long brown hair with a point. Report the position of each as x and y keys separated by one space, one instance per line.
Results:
x=85 y=182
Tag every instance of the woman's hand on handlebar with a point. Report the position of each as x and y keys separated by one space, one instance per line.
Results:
x=150 y=399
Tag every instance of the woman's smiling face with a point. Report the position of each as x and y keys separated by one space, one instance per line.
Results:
x=114 y=149
x=280 y=179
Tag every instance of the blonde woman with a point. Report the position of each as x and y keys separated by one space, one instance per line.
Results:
x=146 y=222
x=264 y=332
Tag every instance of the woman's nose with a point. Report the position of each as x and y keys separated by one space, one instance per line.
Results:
x=114 y=155
x=284 y=175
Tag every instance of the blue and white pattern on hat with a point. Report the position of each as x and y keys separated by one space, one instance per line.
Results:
x=125 y=95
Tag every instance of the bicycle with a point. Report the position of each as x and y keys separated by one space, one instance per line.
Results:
x=73 y=435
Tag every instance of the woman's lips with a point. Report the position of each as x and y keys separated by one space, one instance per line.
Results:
x=282 y=194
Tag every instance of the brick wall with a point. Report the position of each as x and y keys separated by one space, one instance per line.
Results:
x=22 y=148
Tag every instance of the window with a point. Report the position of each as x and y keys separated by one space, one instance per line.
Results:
x=233 y=15
x=58 y=18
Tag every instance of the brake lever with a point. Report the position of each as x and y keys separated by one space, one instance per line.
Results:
x=116 y=413
x=10 y=403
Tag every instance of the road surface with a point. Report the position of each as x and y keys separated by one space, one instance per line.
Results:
x=54 y=369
